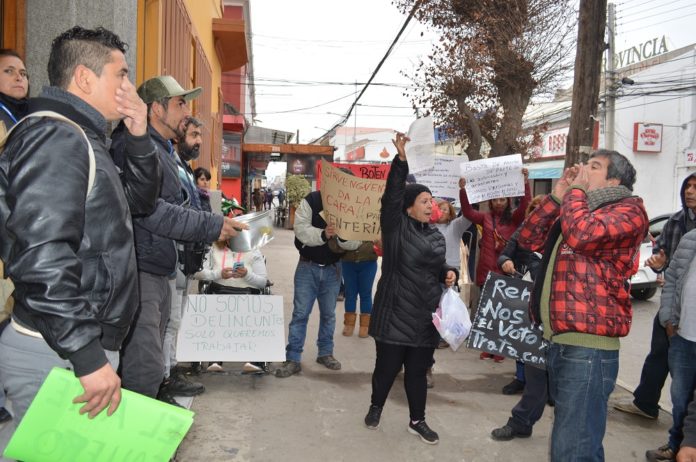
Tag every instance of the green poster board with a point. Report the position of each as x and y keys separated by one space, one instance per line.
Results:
x=141 y=430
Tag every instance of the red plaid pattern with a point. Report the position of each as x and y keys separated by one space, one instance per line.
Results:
x=589 y=293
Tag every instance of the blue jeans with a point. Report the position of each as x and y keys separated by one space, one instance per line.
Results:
x=320 y=283
x=580 y=382
x=359 y=278
x=682 y=368
x=655 y=369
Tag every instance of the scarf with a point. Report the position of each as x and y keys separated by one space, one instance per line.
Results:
x=601 y=197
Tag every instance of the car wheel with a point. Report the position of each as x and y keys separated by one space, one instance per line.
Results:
x=643 y=294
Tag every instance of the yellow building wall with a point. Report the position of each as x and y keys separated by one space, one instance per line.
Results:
x=202 y=13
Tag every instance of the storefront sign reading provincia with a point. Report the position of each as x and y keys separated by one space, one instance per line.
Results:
x=502 y=325
x=352 y=204
x=646 y=50
x=235 y=328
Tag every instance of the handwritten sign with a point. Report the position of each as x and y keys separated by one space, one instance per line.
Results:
x=493 y=178
x=420 y=151
x=232 y=328
x=351 y=204
x=502 y=324
x=443 y=178
x=53 y=429
x=369 y=171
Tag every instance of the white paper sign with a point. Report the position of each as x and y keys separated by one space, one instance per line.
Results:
x=232 y=328
x=420 y=151
x=493 y=178
x=443 y=178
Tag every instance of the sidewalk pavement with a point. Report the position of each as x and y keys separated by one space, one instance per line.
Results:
x=318 y=414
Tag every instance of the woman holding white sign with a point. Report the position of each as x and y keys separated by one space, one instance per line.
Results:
x=233 y=273
x=408 y=292
x=498 y=223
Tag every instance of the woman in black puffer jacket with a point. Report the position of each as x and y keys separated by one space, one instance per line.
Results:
x=408 y=292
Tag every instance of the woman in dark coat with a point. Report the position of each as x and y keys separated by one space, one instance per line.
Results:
x=408 y=292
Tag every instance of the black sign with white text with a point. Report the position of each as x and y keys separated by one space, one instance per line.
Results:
x=502 y=324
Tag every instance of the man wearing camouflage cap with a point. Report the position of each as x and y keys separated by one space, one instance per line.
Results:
x=142 y=357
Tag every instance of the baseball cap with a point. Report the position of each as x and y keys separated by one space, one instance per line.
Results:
x=165 y=86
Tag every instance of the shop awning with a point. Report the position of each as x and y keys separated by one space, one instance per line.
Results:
x=545 y=170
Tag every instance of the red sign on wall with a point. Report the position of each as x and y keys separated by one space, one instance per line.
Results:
x=647 y=137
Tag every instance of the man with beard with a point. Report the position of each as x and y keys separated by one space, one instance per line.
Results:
x=188 y=148
x=142 y=359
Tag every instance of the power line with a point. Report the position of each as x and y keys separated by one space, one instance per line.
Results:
x=658 y=23
x=650 y=16
x=379 y=66
x=633 y=13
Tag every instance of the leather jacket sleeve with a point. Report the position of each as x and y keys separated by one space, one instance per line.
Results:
x=141 y=173
x=47 y=171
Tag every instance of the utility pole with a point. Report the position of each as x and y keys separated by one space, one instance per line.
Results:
x=610 y=81
x=588 y=69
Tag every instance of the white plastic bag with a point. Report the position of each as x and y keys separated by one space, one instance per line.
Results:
x=451 y=319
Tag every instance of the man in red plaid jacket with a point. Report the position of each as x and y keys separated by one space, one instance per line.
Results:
x=589 y=230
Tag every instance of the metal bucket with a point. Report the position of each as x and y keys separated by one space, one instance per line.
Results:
x=260 y=232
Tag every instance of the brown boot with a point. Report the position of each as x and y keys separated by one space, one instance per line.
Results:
x=364 y=325
x=348 y=324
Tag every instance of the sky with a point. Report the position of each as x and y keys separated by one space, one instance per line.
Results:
x=308 y=55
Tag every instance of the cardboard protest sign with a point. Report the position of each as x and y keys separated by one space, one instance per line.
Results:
x=443 y=177
x=493 y=178
x=232 y=328
x=369 y=171
x=351 y=204
x=420 y=151
x=502 y=324
x=53 y=430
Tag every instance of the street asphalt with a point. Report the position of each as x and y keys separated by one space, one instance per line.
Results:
x=318 y=414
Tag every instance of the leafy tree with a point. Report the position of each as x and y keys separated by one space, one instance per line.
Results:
x=493 y=56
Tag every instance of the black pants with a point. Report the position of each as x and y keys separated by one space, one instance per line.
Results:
x=654 y=373
x=534 y=397
x=389 y=360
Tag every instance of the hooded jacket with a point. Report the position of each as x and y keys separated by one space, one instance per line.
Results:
x=71 y=255
x=413 y=270
x=678 y=224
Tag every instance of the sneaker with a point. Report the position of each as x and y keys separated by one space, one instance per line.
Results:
x=631 y=408
x=178 y=385
x=485 y=355
x=372 y=417
x=513 y=387
x=329 y=362
x=6 y=416
x=214 y=367
x=506 y=433
x=442 y=344
x=429 y=382
x=661 y=453
x=288 y=368
x=498 y=358
x=421 y=429
x=168 y=398
x=251 y=368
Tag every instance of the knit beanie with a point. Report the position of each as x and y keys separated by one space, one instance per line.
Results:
x=412 y=191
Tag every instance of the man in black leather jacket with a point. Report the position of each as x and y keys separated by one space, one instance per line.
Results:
x=70 y=249
x=142 y=359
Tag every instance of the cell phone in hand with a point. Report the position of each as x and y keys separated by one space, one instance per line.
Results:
x=237 y=265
